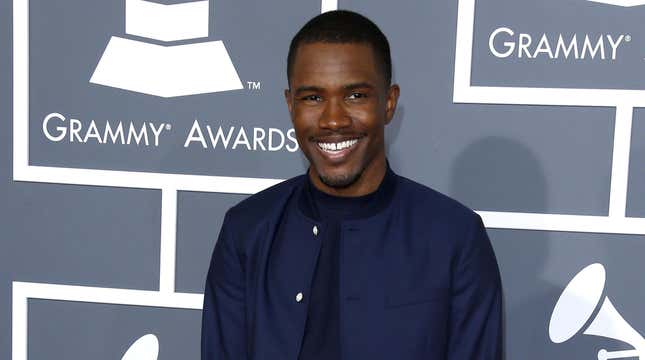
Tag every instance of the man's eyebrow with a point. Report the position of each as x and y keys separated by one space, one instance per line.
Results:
x=359 y=85
x=352 y=86
x=305 y=88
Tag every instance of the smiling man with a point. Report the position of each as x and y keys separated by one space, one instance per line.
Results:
x=350 y=260
x=340 y=100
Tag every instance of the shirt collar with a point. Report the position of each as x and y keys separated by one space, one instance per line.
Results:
x=374 y=202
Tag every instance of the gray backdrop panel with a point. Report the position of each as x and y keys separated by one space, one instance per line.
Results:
x=537 y=265
x=72 y=330
x=199 y=218
x=553 y=17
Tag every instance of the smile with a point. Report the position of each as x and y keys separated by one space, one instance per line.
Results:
x=337 y=147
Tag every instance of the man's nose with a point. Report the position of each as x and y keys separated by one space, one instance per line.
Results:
x=335 y=115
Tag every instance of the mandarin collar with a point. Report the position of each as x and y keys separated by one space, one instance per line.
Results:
x=378 y=200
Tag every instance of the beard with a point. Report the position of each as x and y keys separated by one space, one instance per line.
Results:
x=340 y=181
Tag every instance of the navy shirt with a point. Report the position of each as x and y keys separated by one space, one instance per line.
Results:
x=321 y=338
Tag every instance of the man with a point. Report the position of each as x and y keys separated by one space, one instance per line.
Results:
x=350 y=260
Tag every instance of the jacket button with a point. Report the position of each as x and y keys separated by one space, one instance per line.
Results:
x=315 y=230
x=299 y=297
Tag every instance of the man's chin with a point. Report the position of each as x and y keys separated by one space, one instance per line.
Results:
x=339 y=181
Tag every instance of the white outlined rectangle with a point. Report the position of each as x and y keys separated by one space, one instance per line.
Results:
x=23 y=291
x=22 y=171
x=464 y=92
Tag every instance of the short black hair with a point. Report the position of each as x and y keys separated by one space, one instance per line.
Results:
x=343 y=27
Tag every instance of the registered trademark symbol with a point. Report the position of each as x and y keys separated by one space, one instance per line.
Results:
x=168 y=126
x=628 y=38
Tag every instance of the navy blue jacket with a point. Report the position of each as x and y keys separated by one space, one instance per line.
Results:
x=418 y=280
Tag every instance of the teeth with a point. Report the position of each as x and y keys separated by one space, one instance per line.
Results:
x=337 y=146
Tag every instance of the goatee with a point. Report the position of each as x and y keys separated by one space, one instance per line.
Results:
x=340 y=181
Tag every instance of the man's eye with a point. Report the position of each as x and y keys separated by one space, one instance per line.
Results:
x=311 y=98
x=356 y=95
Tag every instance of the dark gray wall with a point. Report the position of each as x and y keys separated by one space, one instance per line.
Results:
x=493 y=157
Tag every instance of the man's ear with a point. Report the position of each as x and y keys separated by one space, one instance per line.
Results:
x=391 y=101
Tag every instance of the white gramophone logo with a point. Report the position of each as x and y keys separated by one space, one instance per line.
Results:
x=166 y=70
x=578 y=302
x=145 y=348
x=624 y=3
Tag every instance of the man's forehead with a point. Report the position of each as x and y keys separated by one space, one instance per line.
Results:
x=309 y=52
x=340 y=63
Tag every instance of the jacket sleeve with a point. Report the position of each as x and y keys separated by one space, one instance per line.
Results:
x=223 y=315
x=476 y=312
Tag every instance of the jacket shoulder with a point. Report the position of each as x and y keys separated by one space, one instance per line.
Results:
x=423 y=199
x=445 y=218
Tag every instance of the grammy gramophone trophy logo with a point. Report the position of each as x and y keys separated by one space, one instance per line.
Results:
x=145 y=348
x=623 y=3
x=582 y=303
x=166 y=70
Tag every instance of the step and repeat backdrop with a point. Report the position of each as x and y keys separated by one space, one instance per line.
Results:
x=130 y=126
